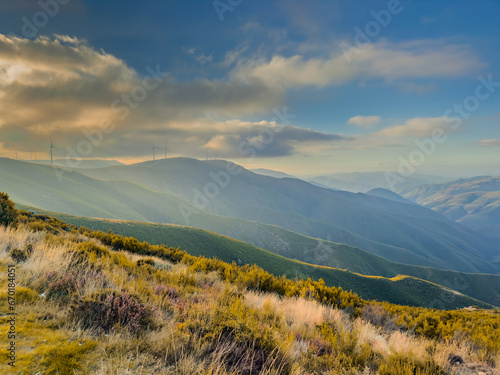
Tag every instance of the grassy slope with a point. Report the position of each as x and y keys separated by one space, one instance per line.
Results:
x=192 y=322
x=400 y=290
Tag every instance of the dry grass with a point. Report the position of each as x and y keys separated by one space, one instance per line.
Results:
x=44 y=324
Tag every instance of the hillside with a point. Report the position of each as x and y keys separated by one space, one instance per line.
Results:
x=310 y=250
x=271 y=173
x=73 y=193
x=310 y=210
x=83 y=163
x=163 y=192
x=474 y=202
x=362 y=182
x=139 y=308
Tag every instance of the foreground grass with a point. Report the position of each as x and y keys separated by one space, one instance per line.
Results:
x=180 y=314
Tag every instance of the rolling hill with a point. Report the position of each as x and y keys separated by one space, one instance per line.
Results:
x=474 y=202
x=362 y=182
x=310 y=210
x=73 y=193
x=84 y=163
x=403 y=290
x=310 y=250
x=163 y=192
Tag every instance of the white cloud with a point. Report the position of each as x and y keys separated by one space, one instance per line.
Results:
x=365 y=122
x=62 y=87
x=416 y=128
x=381 y=60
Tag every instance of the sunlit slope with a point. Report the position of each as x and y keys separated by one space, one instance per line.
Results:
x=200 y=242
x=402 y=290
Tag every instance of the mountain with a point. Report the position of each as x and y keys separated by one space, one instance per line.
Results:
x=70 y=192
x=362 y=182
x=388 y=194
x=271 y=173
x=169 y=191
x=83 y=163
x=474 y=202
x=310 y=210
x=305 y=249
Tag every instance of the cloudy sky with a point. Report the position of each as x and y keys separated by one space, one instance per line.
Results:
x=307 y=87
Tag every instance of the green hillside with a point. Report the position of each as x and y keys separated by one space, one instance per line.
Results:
x=312 y=211
x=72 y=193
x=200 y=242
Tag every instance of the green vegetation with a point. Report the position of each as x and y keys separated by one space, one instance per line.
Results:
x=483 y=287
x=117 y=305
x=8 y=211
x=402 y=289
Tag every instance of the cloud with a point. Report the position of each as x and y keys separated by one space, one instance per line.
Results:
x=418 y=127
x=63 y=88
x=489 y=142
x=240 y=139
x=365 y=122
x=381 y=60
x=199 y=57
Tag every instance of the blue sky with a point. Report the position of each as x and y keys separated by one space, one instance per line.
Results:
x=350 y=109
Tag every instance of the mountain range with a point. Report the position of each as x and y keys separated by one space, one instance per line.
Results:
x=474 y=202
x=262 y=210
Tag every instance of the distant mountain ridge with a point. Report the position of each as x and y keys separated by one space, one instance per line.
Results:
x=83 y=163
x=362 y=182
x=301 y=207
x=271 y=173
x=474 y=202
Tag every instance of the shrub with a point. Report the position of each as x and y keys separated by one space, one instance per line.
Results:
x=23 y=255
x=377 y=315
x=148 y=261
x=8 y=211
x=62 y=285
x=65 y=358
x=106 y=309
x=399 y=365
x=165 y=290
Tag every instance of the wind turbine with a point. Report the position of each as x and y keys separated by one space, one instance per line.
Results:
x=153 y=149
x=52 y=147
x=166 y=149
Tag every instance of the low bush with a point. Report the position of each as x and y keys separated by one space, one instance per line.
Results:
x=8 y=211
x=21 y=255
x=399 y=365
x=145 y=261
x=108 y=309
x=62 y=285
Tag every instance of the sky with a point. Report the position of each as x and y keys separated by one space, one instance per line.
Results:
x=314 y=87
